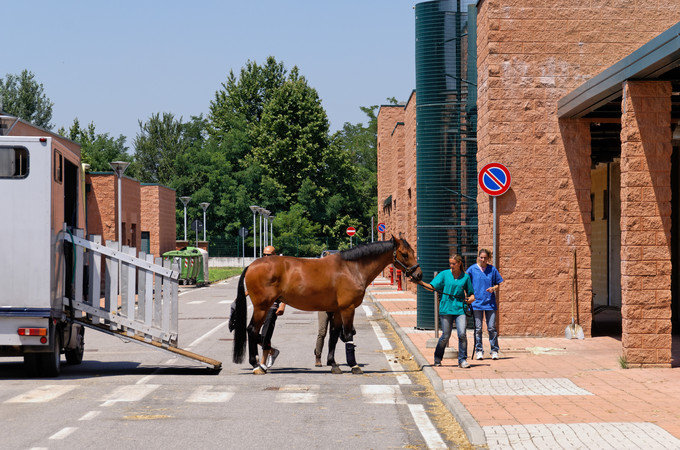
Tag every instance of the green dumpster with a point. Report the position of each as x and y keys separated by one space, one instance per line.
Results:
x=187 y=263
x=203 y=277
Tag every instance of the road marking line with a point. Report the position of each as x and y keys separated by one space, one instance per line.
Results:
x=309 y=394
x=42 y=394
x=90 y=415
x=383 y=394
x=396 y=367
x=203 y=394
x=61 y=434
x=200 y=339
x=367 y=310
x=130 y=393
x=225 y=302
x=432 y=437
x=384 y=343
x=195 y=302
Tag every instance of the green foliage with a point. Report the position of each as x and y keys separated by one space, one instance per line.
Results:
x=99 y=149
x=25 y=98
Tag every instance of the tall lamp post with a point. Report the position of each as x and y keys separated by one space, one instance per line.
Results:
x=254 y=209
x=119 y=169
x=204 y=205
x=266 y=227
x=185 y=200
x=271 y=230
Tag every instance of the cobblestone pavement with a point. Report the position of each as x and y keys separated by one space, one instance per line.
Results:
x=545 y=393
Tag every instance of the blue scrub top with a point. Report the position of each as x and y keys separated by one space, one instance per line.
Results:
x=482 y=280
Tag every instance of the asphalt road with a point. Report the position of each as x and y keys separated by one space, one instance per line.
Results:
x=127 y=395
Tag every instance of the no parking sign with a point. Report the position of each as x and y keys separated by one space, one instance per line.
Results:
x=494 y=179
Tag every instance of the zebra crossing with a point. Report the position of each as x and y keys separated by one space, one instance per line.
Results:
x=287 y=393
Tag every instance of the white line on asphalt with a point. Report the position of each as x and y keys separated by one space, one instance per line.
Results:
x=42 y=394
x=396 y=367
x=367 y=310
x=195 y=302
x=130 y=393
x=383 y=393
x=90 y=415
x=205 y=394
x=384 y=343
x=198 y=341
x=432 y=437
x=61 y=434
x=225 y=302
x=298 y=393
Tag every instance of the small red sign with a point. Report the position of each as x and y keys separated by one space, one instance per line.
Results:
x=381 y=227
x=351 y=231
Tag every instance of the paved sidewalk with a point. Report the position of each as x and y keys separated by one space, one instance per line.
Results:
x=546 y=392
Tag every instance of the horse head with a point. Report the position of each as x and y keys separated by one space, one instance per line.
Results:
x=405 y=259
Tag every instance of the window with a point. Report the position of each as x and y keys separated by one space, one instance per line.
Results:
x=57 y=167
x=13 y=162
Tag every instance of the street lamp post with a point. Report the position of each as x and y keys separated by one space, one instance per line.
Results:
x=271 y=230
x=185 y=200
x=204 y=205
x=254 y=209
x=259 y=211
x=266 y=227
x=119 y=169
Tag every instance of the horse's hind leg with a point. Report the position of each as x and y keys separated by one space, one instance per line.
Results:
x=332 y=342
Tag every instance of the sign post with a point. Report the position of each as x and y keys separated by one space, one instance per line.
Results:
x=243 y=232
x=494 y=179
x=350 y=233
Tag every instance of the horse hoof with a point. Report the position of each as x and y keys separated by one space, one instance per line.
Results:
x=259 y=370
x=336 y=370
x=356 y=370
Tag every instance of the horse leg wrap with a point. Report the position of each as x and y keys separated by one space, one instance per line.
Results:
x=349 y=353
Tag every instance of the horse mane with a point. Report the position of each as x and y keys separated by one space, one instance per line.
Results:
x=367 y=250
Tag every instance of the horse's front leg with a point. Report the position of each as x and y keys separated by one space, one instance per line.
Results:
x=348 y=338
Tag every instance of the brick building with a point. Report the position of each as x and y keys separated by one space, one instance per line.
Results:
x=584 y=111
x=148 y=212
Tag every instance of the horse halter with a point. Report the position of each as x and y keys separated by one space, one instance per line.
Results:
x=408 y=271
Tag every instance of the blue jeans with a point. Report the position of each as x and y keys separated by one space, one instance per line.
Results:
x=446 y=322
x=490 y=326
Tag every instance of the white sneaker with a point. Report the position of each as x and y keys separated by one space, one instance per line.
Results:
x=494 y=355
x=464 y=364
x=479 y=356
x=271 y=358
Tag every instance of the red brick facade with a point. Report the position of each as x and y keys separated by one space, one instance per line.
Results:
x=145 y=208
x=530 y=55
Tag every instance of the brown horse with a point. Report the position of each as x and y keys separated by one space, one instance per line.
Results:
x=336 y=283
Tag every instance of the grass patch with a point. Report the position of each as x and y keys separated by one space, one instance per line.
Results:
x=222 y=273
x=623 y=362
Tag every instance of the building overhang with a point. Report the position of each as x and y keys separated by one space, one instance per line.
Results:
x=659 y=59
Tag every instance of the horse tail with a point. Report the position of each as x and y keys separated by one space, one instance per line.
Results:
x=241 y=316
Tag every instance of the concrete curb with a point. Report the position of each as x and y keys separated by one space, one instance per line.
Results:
x=473 y=431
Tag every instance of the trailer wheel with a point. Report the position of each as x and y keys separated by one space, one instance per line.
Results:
x=50 y=363
x=75 y=355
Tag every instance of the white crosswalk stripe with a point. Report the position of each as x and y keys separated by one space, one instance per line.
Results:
x=383 y=393
x=298 y=393
x=210 y=394
x=130 y=393
x=43 y=394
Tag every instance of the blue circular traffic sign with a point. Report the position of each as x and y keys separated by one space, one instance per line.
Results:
x=494 y=179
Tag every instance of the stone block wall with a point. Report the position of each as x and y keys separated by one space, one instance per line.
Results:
x=646 y=222
x=531 y=54
x=158 y=217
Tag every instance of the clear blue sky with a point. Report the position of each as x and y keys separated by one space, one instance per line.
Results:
x=114 y=63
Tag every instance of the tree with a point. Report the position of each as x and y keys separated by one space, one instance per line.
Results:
x=161 y=139
x=23 y=97
x=99 y=149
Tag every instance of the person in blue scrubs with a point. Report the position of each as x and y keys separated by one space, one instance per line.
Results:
x=485 y=280
x=457 y=290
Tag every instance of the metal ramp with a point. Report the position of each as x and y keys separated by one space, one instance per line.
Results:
x=146 y=310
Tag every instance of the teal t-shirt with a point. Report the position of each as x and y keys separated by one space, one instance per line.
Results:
x=455 y=289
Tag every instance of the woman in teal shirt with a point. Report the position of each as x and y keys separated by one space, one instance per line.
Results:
x=457 y=288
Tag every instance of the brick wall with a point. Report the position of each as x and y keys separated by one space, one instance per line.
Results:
x=646 y=222
x=530 y=54
x=158 y=217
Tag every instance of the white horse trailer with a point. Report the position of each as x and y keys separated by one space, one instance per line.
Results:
x=40 y=188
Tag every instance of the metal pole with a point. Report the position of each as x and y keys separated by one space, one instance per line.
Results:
x=371 y=228
x=185 y=222
x=260 y=235
x=120 y=218
x=436 y=311
x=271 y=230
x=495 y=221
x=204 y=225
x=254 y=236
